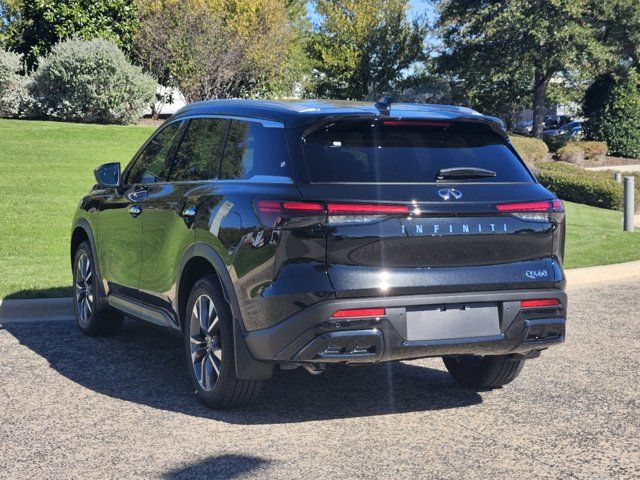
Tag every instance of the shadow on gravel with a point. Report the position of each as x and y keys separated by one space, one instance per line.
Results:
x=147 y=366
x=222 y=467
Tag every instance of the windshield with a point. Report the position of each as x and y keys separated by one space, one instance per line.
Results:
x=403 y=151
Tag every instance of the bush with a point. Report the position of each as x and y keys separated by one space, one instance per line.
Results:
x=612 y=105
x=555 y=142
x=577 y=185
x=12 y=85
x=582 y=152
x=594 y=151
x=90 y=81
x=530 y=149
x=572 y=153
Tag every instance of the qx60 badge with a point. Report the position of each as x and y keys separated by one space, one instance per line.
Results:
x=450 y=194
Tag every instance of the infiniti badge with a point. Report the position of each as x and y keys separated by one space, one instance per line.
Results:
x=450 y=194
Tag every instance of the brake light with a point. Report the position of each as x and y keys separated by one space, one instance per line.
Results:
x=359 y=313
x=369 y=209
x=545 y=206
x=554 y=205
x=539 y=302
x=282 y=214
x=558 y=206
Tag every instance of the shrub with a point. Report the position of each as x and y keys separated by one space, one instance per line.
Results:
x=530 y=149
x=577 y=185
x=90 y=81
x=555 y=142
x=572 y=153
x=594 y=151
x=12 y=85
x=612 y=105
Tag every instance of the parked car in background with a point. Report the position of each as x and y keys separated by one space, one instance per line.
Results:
x=318 y=233
x=553 y=122
x=568 y=130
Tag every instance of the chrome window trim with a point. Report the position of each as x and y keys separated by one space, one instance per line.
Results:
x=264 y=123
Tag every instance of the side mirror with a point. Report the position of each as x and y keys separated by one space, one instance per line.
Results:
x=108 y=175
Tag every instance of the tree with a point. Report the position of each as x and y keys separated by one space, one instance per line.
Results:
x=612 y=106
x=218 y=48
x=37 y=25
x=506 y=53
x=362 y=49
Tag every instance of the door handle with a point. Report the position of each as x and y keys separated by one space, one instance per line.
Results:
x=135 y=210
x=189 y=215
x=189 y=212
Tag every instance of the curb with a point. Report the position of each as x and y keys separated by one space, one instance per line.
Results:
x=49 y=309
x=577 y=277
x=36 y=310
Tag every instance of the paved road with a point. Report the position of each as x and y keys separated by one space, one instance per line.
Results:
x=77 y=407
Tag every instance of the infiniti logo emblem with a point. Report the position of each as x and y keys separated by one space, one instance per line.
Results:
x=450 y=194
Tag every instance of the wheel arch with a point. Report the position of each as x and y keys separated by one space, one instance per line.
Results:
x=201 y=259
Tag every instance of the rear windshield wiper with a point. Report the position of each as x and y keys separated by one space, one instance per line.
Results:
x=464 y=172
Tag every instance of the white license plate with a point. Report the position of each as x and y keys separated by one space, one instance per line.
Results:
x=453 y=321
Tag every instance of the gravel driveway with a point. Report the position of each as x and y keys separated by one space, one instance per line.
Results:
x=78 y=407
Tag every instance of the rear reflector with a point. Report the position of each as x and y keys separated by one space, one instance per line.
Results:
x=539 y=302
x=362 y=208
x=359 y=313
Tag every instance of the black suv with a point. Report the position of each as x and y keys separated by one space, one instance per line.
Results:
x=319 y=233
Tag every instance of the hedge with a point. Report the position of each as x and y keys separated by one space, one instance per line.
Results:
x=575 y=184
x=530 y=149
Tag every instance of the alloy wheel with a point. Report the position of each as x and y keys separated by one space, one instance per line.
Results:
x=205 y=342
x=84 y=290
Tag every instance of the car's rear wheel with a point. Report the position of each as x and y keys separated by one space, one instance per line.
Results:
x=93 y=316
x=489 y=371
x=210 y=349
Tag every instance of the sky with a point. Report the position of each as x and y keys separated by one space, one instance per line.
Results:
x=416 y=8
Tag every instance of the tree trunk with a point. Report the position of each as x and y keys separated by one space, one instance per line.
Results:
x=539 y=105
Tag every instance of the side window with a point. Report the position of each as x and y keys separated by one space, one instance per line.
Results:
x=198 y=156
x=252 y=150
x=152 y=165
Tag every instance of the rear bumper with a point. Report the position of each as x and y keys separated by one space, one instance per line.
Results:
x=313 y=336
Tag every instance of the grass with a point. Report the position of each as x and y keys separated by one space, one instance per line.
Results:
x=46 y=168
x=595 y=237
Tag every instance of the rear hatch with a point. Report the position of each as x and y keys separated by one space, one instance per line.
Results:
x=424 y=207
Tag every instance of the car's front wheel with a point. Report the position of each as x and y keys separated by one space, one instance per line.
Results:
x=489 y=371
x=209 y=348
x=93 y=316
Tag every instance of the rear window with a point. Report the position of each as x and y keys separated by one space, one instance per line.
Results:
x=402 y=151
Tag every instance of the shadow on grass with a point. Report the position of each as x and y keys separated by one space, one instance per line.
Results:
x=53 y=292
x=147 y=366
x=218 y=467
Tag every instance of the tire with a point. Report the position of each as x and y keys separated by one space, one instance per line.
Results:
x=483 y=372
x=93 y=316
x=209 y=349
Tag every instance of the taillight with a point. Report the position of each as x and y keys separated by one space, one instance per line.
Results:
x=290 y=214
x=295 y=214
x=539 y=302
x=538 y=210
x=545 y=206
x=363 y=208
x=359 y=313
x=351 y=213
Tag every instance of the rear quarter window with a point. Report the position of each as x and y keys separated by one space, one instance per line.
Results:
x=397 y=151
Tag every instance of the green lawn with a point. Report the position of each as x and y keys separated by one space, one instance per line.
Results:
x=46 y=167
